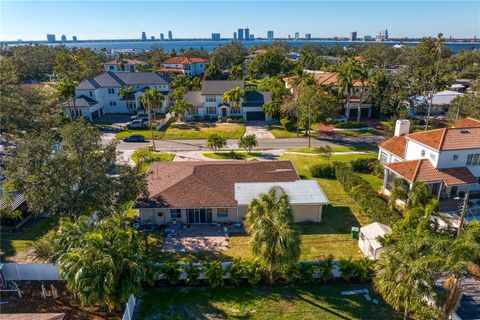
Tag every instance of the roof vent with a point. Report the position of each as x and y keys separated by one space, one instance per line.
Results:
x=464 y=130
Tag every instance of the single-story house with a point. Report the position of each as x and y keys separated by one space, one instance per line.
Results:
x=440 y=102
x=220 y=191
x=368 y=239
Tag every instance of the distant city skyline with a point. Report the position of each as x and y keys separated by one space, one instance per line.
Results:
x=33 y=20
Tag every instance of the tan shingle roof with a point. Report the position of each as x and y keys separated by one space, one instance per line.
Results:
x=209 y=183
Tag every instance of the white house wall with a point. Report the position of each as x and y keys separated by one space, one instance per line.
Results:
x=414 y=152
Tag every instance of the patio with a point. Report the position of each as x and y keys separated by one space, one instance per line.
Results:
x=198 y=237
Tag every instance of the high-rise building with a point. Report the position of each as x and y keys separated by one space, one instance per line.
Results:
x=74 y=39
x=144 y=36
x=51 y=38
x=234 y=36
x=215 y=36
x=170 y=35
x=297 y=35
x=247 y=34
x=240 y=34
x=353 y=36
x=152 y=38
x=367 y=38
x=64 y=38
x=270 y=35
x=251 y=37
x=162 y=36
x=308 y=36
x=386 y=34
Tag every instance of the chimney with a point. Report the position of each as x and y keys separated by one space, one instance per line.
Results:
x=402 y=127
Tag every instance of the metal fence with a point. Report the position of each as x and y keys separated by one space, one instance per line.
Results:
x=130 y=307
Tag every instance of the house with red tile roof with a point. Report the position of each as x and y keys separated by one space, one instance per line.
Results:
x=189 y=67
x=331 y=80
x=220 y=191
x=447 y=159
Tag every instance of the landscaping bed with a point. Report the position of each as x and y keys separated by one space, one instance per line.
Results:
x=201 y=130
x=311 y=301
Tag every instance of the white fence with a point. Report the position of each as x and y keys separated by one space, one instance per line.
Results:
x=130 y=307
x=30 y=271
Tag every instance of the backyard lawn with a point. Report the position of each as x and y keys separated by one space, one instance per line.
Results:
x=14 y=243
x=312 y=301
x=231 y=155
x=200 y=130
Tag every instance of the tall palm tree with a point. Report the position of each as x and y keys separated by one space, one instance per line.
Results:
x=66 y=92
x=233 y=97
x=273 y=236
x=362 y=73
x=346 y=76
x=126 y=93
x=152 y=97
x=270 y=109
x=439 y=45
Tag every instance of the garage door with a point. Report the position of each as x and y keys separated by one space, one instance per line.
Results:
x=255 y=115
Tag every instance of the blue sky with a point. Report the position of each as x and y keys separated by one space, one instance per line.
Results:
x=32 y=20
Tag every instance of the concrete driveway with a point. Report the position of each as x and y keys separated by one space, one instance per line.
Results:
x=259 y=129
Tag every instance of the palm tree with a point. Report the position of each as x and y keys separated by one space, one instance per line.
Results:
x=216 y=142
x=361 y=74
x=270 y=109
x=126 y=93
x=273 y=236
x=180 y=107
x=152 y=97
x=66 y=92
x=405 y=274
x=346 y=75
x=248 y=142
x=439 y=44
x=233 y=97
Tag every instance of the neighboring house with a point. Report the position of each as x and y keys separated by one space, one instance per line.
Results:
x=220 y=191
x=124 y=65
x=189 y=67
x=99 y=95
x=440 y=103
x=331 y=80
x=368 y=239
x=209 y=101
x=447 y=160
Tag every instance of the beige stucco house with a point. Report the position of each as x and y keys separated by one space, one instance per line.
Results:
x=220 y=191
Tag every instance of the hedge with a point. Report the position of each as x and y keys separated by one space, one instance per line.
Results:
x=365 y=196
x=322 y=171
x=351 y=125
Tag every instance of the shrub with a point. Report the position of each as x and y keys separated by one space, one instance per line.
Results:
x=255 y=272
x=214 y=274
x=351 y=125
x=358 y=270
x=238 y=272
x=324 y=269
x=43 y=248
x=171 y=272
x=285 y=123
x=322 y=171
x=193 y=272
x=363 y=165
x=229 y=120
x=377 y=169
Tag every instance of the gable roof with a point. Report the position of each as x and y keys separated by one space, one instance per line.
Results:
x=184 y=60
x=257 y=98
x=395 y=145
x=423 y=170
x=440 y=98
x=219 y=87
x=126 y=62
x=331 y=78
x=372 y=231
x=194 y=97
x=120 y=79
x=467 y=123
x=209 y=183
x=81 y=101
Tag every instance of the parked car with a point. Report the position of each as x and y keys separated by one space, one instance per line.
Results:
x=341 y=119
x=137 y=124
x=140 y=115
x=135 y=138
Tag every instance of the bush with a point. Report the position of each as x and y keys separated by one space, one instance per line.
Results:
x=363 y=165
x=351 y=125
x=322 y=171
x=43 y=247
x=229 y=120
x=286 y=124
x=193 y=272
x=171 y=272
x=357 y=270
x=214 y=274
x=324 y=269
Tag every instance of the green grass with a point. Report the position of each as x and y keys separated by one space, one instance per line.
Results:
x=279 y=133
x=312 y=301
x=359 y=148
x=144 y=132
x=374 y=181
x=354 y=133
x=153 y=157
x=202 y=130
x=231 y=155
x=22 y=239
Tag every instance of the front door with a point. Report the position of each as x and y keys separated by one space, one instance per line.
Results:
x=199 y=215
x=224 y=112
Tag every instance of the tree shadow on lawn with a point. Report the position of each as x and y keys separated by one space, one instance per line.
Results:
x=335 y=219
x=193 y=126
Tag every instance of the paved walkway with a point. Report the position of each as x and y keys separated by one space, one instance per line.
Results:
x=258 y=129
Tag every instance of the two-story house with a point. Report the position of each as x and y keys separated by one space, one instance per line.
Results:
x=189 y=67
x=331 y=80
x=124 y=65
x=100 y=95
x=209 y=101
x=447 y=159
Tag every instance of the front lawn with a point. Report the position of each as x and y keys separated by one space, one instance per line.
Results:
x=144 y=132
x=231 y=155
x=279 y=133
x=354 y=148
x=14 y=243
x=311 y=301
x=201 y=130
x=355 y=133
x=151 y=158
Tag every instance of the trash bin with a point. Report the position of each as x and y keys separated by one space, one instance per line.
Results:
x=355 y=231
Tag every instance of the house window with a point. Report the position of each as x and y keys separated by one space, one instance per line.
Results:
x=432 y=156
x=111 y=91
x=193 y=111
x=211 y=110
x=383 y=157
x=131 y=104
x=112 y=67
x=175 y=213
x=222 y=213
x=210 y=99
x=473 y=159
x=455 y=157
x=235 y=110
x=159 y=214
x=113 y=103
x=423 y=153
x=90 y=93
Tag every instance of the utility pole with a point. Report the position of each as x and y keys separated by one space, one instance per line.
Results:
x=309 y=127
x=462 y=215
x=150 y=123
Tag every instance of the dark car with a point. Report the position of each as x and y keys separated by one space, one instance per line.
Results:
x=135 y=138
